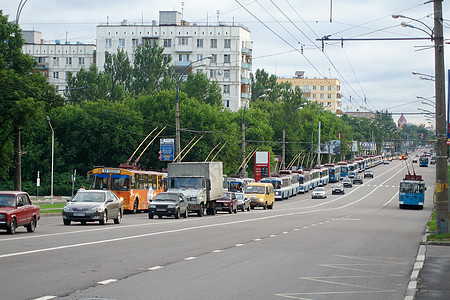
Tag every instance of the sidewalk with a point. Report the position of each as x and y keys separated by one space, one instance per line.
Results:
x=434 y=278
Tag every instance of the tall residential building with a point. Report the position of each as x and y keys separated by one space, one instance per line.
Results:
x=325 y=91
x=55 y=60
x=229 y=46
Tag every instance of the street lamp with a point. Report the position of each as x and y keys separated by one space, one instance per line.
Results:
x=437 y=35
x=177 y=108
x=53 y=156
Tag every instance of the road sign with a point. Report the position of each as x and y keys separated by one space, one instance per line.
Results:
x=166 y=149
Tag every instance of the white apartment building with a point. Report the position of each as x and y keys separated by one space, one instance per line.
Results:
x=55 y=60
x=229 y=46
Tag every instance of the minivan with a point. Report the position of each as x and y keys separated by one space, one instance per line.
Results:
x=261 y=194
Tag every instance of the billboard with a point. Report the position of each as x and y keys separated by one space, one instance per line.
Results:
x=166 y=149
x=262 y=164
x=335 y=147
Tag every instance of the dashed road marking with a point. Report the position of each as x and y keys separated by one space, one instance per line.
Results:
x=155 y=268
x=46 y=298
x=107 y=281
x=190 y=258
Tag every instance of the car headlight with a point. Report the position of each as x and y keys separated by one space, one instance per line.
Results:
x=96 y=208
x=2 y=216
x=193 y=199
x=170 y=206
x=67 y=208
x=152 y=206
x=261 y=199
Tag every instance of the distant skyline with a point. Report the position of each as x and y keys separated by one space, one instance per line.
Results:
x=374 y=75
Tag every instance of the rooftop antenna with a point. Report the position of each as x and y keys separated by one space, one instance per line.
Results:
x=182 y=10
x=218 y=15
x=107 y=20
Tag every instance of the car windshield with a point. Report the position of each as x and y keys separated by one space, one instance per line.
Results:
x=255 y=189
x=7 y=200
x=186 y=182
x=89 y=197
x=319 y=189
x=227 y=196
x=239 y=196
x=166 y=197
x=337 y=186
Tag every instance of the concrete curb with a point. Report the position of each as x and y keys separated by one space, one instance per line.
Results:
x=420 y=259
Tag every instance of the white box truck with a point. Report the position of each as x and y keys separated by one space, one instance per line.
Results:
x=200 y=182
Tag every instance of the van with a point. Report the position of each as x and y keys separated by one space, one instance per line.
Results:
x=261 y=194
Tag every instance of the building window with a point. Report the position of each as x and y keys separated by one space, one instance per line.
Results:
x=329 y=87
x=213 y=58
x=227 y=43
x=306 y=88
x=322 y=87
x=81 y=60
x=212 y=73
x=121 y=43
x=183 y=41
x=68 y=60
x=55 y=61
x=199 y=43
x=314 y=88
x=199 y=56
x=167 y=43
x=226 y=89
x=329 y=96
x=213 y=43
x=183 y=57
x=329 y=104
x=56 y=75
x=226 y=73
x=314 y=96
x=40 y=60
x=135 y=43
x=167 y=58
x=321 y=96
x=226 y=103
x=108 y=43
x=226 y=58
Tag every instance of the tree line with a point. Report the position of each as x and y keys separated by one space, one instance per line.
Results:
x=106 y=114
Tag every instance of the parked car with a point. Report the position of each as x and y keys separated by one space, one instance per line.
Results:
x=168 y=204
x=243 y=201
x=337 y=188
x=368 y=173
x=319 y=193
x=358 y=179
x=433 y=160
x=347 y=182
x=16 y=209
x=227 y=203
x=414 y=160
x=93 y=206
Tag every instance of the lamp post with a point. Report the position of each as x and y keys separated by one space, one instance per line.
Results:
x=53 y=156
x=436 y=35
x=177 y=108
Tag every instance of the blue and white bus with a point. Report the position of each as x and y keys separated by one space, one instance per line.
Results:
x=412 y=191
x=344 y=169
x=281 y=186
x=324 y=176
x=334 y=172
x=304 y=182
x=315 y=178
x=294 y=180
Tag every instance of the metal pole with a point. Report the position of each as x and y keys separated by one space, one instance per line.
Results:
x=442 y=206
x=318 y=147
x=53 y=157
x=244 y=167
x=17 y=161
x=329 y=144
x=312 y=144
x=177 y=125
x=284 y=143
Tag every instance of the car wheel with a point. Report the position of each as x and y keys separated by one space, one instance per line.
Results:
x=32 y=226
x=83 y=222
x=12 y=227
x=270 y=206
x=265 y=205
x=119 y=217
x=67 y=222
x=150 y=215
x=136 y=205
x=200 y=212
x=160 y=216
x=177 y=214
x=104 y=219
x=230 y=210
x=185 y=213
x=235 y=210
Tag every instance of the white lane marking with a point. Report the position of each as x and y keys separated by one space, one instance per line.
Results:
x=217 y=251
x=46 y=298
x=195 y=227
x=155 y=268
x=239 y=245
x=190 y=258
x=108 y=281
x=257 y=240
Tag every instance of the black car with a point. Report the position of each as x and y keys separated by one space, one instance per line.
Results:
x=368 y=173
x=168 y=204
x=358 y=179
x=347 y=182
x=337 y=188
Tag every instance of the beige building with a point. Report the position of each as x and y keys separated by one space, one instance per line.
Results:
x=325 y=91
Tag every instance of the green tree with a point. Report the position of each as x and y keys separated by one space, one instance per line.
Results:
x=120 y=71
x=198 y=86
x=88 y=85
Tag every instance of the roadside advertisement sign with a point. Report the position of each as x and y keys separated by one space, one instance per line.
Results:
x=166 y=149
x=262 y=164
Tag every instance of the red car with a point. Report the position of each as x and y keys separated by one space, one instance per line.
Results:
x=17 y=210
x=227 y=203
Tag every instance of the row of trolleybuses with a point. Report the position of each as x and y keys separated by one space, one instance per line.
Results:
x=136 y=188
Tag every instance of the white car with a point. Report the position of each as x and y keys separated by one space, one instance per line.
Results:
x=319 y=193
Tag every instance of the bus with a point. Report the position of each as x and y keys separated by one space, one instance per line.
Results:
x=412 y=191
x=236 y=185
x=423 y=161
x=136 y=188
x=295 y=185
x=334 y=172
x=344 y=169
x=315 y=178
x=304 y=182
x=281 y=186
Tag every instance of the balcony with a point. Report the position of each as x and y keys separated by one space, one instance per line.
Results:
x=245 y=65
x=246 y=95
x=245 y=80
x=246 y=51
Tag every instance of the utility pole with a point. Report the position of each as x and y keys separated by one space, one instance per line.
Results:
x=244 y=167
x=284 y=144
x=318 y=147
x=312 y=144
x=442 y=205
x=17 y=161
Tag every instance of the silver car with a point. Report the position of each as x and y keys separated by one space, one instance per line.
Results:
x=319 y=193
x=168 y=204
x=93 y=206
x=243 y=201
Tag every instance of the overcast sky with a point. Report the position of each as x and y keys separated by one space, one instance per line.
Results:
x=374 y=75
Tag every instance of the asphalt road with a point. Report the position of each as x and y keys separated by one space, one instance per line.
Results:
x=354 y=246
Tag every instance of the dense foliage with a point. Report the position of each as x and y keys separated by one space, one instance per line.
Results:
x=109 y=113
